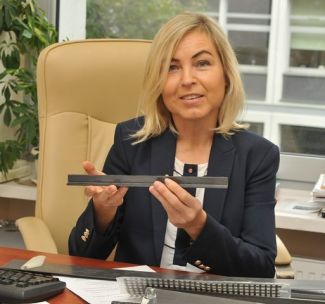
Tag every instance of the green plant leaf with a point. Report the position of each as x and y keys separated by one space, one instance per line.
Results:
x=40 y=35
x=6 y=93
x=7 y=117
x=29 y=32
x=3 y=75
x=7 y=17
x=1 y=18
x=10 y=151
x=12 y=60
x=2 y=107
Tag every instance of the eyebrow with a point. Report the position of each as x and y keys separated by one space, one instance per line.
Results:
x=196 y=55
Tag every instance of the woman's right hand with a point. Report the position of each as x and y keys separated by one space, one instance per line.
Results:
x=106 y=199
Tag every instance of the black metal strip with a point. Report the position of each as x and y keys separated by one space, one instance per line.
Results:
x=146 y=180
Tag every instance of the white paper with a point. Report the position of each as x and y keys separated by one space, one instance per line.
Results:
x=297 y=207
x=101 y=291
x=144 y=268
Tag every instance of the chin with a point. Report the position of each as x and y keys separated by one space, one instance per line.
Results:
x=193 y=117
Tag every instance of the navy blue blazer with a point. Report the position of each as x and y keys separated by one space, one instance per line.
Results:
x=239 y=236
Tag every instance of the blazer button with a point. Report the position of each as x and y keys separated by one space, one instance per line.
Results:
x=202 y=266
x=86 y=232
x=197 y=263
x=207 y=268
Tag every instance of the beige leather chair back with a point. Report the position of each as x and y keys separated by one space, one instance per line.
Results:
x=84 y=88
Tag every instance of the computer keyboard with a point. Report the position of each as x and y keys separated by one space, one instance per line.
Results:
x=20 y=286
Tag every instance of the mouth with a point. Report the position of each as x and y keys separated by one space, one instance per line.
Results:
x=190 y=97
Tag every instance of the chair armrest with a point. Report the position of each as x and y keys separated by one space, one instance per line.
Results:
x=283 y=256
x=284 y=272
x=283 y=269
x=36 y=235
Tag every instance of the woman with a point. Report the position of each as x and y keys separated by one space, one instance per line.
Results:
x=192 y=95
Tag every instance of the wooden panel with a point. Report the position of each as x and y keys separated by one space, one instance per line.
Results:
x=15 y=208
x=304 y=244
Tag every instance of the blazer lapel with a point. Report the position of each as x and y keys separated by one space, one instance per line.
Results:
x=161 y=163
x=220 y=164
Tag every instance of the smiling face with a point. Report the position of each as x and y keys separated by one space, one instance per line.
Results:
x=195 y=85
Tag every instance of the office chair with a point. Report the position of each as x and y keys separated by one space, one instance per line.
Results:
x=84 y=88
x=283 y=269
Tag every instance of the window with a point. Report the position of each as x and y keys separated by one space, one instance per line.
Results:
x=280 y=45
x=248 y=30
x=248 y=27
x=304 y=80
x=256 y=127
x=307 y=41
x=293 y=139
x=139 y=19
x=294 y=109
x=49 y=7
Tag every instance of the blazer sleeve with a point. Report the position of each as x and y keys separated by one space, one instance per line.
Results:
x=84 y=239
x=252 y=253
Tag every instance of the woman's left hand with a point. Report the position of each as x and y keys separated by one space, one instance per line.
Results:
x=183 y=210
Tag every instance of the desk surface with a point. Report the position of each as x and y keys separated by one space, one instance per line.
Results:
x=8 y=254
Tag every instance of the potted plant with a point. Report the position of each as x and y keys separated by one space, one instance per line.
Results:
x=24 y=32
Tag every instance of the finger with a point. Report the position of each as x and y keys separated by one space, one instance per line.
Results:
x=89 y=191
x=171 y=195
x=171 y=213
x=111 y=199
x=119 y=195
x=110 y=195
x=167 y=199
x=175 y=216
x=90 y=168
x=184 y=196
x=93 y=190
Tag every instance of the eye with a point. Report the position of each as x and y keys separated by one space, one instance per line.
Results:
x=173 y=67
x=203 y=63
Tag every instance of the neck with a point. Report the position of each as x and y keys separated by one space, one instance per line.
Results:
x=194 y=147
x=194 y=139
x=195 y=127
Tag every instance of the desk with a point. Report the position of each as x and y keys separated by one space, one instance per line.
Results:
x=303 y=234
x=14 y=190
x=67 y=297
x=17 y=200
x=308 y=222
x=8 y=254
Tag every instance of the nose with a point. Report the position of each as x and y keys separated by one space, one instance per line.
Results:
x=188 y=77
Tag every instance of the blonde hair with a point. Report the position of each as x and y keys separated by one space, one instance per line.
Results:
x=157 y=117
